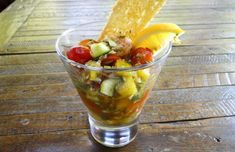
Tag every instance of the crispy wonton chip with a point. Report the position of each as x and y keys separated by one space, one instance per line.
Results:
x=130 y=16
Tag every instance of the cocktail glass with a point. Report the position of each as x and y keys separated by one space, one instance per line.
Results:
x=113 y=119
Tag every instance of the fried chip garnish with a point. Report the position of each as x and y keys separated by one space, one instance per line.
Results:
x=128 y=17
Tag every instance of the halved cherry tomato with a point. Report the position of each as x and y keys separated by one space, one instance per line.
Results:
x=79 y=54
x=86 y=42
x=141 y=56
x=110 y=59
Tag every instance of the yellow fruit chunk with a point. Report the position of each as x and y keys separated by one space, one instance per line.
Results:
x=157 y=35
x=127 y=88
x=120 y=63
x=143 y=74
x=93 y=74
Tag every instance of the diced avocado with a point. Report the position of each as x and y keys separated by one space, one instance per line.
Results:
x=108 y=86
x=127 y=88
x=99 y=49
x=143 y=74
x=120 y=63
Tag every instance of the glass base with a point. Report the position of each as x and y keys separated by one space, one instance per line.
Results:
x=112 y=136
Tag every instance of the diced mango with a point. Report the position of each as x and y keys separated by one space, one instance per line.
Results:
x=143 y=74
x=93 y=74
x=127 y=88
x=123 y=64
x=120 y=63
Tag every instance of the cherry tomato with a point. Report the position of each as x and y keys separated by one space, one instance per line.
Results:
x=79 y=54
x=110 y=59
x=141 y=56
x=86 y=42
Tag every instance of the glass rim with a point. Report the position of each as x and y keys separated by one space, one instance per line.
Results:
x=167 y=46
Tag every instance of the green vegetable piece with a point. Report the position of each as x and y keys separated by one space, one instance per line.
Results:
x=112 y=43
x=99 y=49
x=140 y=92
x=108 y=86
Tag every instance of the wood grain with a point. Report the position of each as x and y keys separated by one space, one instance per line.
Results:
x=47 y=115
x=12 y=20
x=206 y=135
x=191 y=107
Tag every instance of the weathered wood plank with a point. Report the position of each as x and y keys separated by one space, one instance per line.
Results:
x=166 y=81
x=38 y=108
x=34 y=79
x=36 y=91
x=32 y=69
x=201 y=59
x=25 y=59
x=38 y=123
x=12 y=20
x=203 y=50
x=200 y=94
x=206 y=135
x=41 y=105
x=198 y=69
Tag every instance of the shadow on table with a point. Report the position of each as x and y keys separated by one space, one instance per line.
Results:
x=4 y=4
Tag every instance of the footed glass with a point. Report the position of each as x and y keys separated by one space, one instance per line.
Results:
x=113 y=119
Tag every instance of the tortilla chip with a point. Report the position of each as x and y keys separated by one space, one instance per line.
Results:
x=131 y=16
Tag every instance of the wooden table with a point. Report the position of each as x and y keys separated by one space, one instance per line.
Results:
x=191 y=108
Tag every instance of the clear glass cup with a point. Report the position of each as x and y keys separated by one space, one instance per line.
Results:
x=113 y=119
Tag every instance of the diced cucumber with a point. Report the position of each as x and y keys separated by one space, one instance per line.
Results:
x=112 y=43
x=127 y=88
x=108 y=86
x=99 y=49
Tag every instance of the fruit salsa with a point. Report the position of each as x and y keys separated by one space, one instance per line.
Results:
x=117 y=98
